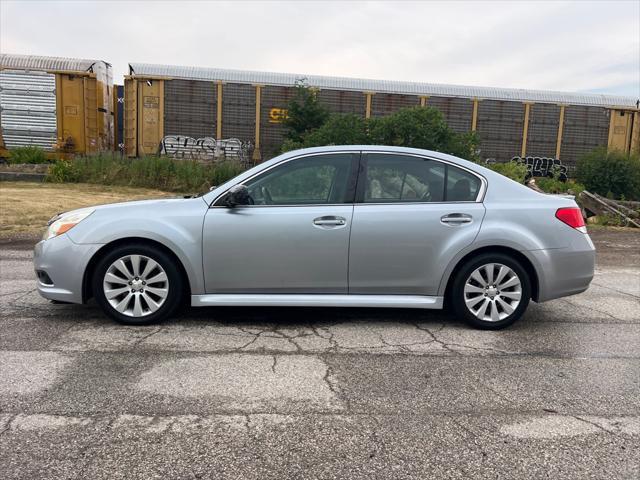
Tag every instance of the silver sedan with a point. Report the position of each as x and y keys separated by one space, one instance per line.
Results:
x=350 y=226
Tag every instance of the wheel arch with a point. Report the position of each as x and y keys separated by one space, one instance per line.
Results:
x=516 y=254
x=87 y=292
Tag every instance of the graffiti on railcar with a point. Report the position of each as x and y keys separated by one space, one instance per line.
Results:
x=204 y=149
x=543 y=167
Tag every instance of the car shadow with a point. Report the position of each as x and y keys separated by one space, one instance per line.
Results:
x=281 y=316
x=293 y=316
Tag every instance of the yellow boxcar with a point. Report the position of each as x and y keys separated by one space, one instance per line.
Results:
x=62 y=105
x=143 y=115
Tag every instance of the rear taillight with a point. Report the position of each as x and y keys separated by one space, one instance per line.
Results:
x=572 y=216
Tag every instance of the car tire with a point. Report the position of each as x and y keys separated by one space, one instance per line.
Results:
x=137 y=284
x=490 y=291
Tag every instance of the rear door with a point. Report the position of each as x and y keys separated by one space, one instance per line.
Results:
x=412 y=216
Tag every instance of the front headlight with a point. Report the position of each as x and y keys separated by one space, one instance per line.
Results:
x=65 y=221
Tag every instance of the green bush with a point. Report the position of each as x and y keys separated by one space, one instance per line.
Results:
x=554 y=185
x=417 y=127
x=421 y=127
x=289 y=145
x=612 y=173
x=340 y=129
x=27 y=155
x=150 y=172
x=518 y=172
x=514 y=170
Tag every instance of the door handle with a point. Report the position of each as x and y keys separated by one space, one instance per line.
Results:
x=330 y=221
x=456 y=219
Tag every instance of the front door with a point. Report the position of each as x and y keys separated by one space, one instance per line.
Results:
x=412 y=216
x=293 y=239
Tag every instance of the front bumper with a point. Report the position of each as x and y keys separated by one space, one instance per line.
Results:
x=64 y=263
x=565 y=271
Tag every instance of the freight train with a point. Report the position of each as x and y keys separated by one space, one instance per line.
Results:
x=71 y=106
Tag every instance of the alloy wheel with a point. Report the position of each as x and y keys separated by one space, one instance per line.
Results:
x=492 y=292
x=136 y=285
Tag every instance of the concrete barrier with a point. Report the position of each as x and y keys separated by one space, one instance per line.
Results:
x=22 y=177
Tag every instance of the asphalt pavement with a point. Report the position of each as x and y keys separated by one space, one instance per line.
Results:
x=324 y=393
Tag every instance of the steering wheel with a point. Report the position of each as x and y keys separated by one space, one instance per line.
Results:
x=266 y=194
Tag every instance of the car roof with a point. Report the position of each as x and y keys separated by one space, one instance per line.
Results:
x=378 y=148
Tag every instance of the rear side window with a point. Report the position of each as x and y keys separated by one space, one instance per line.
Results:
x=390 y=178
x=397 y=178
x=462 y=186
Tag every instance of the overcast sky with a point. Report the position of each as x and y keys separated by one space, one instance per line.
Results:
x=589 y=46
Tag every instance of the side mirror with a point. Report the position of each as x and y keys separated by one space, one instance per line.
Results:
x=238 y=195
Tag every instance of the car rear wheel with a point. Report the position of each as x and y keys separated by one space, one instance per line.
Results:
x=137 y=285
x=491 y=291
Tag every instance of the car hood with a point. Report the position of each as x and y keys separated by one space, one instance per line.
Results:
x=141 y=203
x=133 y=204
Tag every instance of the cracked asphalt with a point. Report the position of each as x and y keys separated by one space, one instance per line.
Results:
x=323 y=393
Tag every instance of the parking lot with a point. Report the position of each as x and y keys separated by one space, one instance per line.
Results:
x=323 y=393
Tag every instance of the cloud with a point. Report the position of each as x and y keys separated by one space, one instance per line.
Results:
x=572 y=46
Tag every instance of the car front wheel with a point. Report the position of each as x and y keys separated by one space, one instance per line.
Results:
x=491 y=291
x=137 y=285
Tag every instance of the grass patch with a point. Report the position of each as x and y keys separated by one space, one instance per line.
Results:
x=26 y=207
x=22 y=155
x=149 y=172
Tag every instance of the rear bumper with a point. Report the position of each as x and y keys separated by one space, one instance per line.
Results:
x=64 y=263
x=565 y=271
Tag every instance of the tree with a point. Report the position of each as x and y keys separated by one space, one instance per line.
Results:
x=305 y=113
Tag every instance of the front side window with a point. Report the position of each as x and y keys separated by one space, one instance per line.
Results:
x=390 y=178
x=313 y=180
